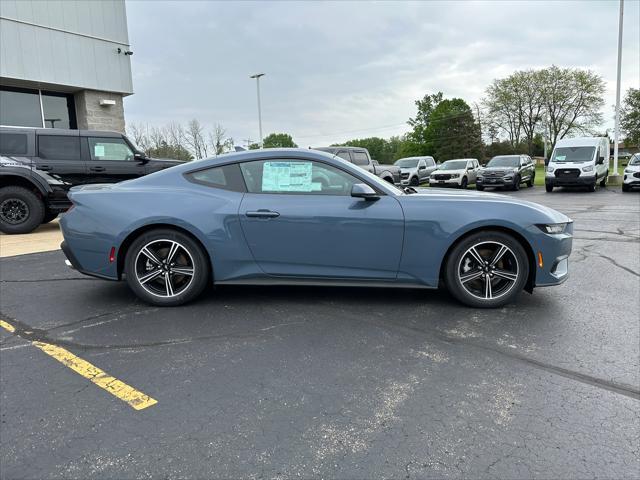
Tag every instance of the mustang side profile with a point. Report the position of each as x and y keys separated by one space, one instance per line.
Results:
x=293 y=216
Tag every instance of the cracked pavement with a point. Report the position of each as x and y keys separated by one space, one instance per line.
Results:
x=284 y=382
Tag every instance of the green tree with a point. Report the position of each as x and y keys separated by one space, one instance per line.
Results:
x=630 y=117
x=278 y=140
x=165 y=150
x=254 y=146
x=426 y=107
x=453 y=132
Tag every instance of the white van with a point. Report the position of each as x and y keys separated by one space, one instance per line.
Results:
x=578 y=161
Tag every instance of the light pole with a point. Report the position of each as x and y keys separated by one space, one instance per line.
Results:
x=257 y=77
x=616 y=134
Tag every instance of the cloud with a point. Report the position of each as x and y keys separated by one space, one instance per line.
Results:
x=345 y=69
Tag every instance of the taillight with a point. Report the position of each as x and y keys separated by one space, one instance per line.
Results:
x=112 y=255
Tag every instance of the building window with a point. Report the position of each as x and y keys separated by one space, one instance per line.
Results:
x=59 y=110
x=21 y=107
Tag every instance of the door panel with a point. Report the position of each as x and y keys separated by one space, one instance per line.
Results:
x=59 y=155
x=332 y=236
x=111 y=160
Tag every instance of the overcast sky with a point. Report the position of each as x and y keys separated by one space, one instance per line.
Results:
x=343 y=70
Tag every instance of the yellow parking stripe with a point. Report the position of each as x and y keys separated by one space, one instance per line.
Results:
x=124 y=392
x=7 y=326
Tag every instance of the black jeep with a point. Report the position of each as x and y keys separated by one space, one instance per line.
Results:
x=39 y=165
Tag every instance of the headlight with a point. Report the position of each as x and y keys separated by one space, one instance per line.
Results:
x=588 y=168
x=508 y=177
x=480 y=177
x=553 y=228
x=628 y=170
x=550 y=169
x=455 y=175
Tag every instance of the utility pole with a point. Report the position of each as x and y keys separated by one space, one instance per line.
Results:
x=257 y=77
x=248 y=142
x=615 y=177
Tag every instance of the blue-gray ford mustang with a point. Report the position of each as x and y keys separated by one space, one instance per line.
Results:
x=293 y=216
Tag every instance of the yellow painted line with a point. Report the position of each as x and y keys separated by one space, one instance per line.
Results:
x=7 y=326
x=115 y=387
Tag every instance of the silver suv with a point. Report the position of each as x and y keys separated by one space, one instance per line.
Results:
x=415 y=170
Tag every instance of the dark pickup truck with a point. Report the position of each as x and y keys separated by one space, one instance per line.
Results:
x=360 y=157
x=39 y=165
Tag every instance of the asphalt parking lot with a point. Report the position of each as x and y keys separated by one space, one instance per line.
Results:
x=339 y=383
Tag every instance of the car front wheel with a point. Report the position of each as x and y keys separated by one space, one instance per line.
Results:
x=166 y=268
x=487 y=269
x=21 y=211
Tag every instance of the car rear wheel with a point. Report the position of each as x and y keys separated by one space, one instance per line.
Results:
x=603 y=183
x=487 y=269
x=21 y=211
x=166 y=268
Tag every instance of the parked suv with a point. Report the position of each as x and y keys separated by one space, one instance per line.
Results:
x=415 y=170
x=507 y=171
x=458 y=172
x=360 y=157
x=39 y=165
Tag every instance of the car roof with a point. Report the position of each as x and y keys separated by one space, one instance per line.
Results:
x=62 y=131
x=580 y=142
x=331 y=149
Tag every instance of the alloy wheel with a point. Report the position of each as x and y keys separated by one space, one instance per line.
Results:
x=164 y=268
x=488 y=270
x=14 y=211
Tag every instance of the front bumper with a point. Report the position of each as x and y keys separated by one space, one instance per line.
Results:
x=631 y=180
x=495 y=182
x=440 y=183
x=580 y=181
x=555 y=250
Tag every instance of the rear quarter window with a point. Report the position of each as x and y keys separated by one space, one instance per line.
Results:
x=59 y=147
x=226 y=177
x=13 y=144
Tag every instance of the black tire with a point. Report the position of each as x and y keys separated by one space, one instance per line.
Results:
x=49 y=216
x=603 y=182
x=514 y=262
x=531 y=181
x=189 y=255
x=479 y=187
x=592 y=187
x=625 y=187
x=548 y=188
x=516 y=183
x=21 y=210
x=463 y=183
x=414 y=182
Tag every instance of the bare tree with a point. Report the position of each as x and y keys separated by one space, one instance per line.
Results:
x=139 y=133
x=194 y=138
x=218 y=140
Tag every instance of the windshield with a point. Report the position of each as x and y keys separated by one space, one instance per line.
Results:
x=407 y=162
x=573 y=154
x=635 y=160
x=453 y=165
x=504 y=161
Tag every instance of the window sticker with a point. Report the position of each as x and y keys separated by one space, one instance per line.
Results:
x=560 y=157
x=288 y=177
x=98 y=150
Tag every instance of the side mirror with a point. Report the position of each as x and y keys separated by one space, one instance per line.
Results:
x=546 y=162
x=600 y=160
x=362 y=190
x=141 y=157
x=422 y=167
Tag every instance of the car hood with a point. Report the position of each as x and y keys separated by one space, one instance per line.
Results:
x=498 y=169
x=447 y=172
x=483 y=199
x=6 y=161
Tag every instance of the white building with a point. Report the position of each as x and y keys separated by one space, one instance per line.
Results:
x=64 y=63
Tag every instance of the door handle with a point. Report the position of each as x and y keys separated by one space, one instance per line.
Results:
x=97 y=169
x=262 y=214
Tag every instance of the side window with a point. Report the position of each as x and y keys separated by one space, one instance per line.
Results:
x=109 y=149
x=345 y=155
x=430 y=162
x=226 y=177
x=360 y=158
x=58 y=147
x=296 y=176
x=13 y=144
